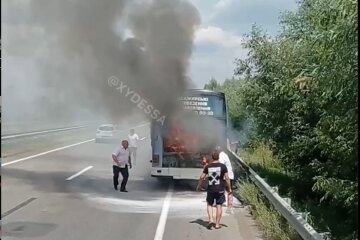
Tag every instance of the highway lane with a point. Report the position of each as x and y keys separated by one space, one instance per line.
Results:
x=39 y=203
x=25 y=146
x=19 y=135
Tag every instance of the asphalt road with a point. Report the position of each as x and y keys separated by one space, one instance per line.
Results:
x=68 y=194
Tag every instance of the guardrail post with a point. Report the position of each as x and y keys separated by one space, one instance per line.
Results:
x=304 y=215
x=276 y=189
x=287 y=200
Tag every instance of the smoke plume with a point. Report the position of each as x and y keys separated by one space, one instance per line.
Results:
x=88 y=45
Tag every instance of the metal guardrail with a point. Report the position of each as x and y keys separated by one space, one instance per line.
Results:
x=298 y=220
x=7 y=137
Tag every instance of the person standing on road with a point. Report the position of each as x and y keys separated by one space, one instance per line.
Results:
x=224 y=159
x=216 y=173
x=133 y=144
x=121 y=161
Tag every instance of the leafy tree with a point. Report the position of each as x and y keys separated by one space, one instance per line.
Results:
x=212 y=85
x=300 y=90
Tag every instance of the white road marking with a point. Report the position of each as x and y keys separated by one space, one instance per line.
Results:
x=39 y=132
x=79 y=173
x=57 y=149
x=164 y=214
x=47 y=152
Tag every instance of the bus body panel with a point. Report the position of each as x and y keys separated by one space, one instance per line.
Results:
x=177 y=173
x=159 y=172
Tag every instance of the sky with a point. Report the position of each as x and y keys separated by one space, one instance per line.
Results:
x=218 y=41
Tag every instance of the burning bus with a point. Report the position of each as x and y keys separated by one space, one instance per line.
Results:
x=182 y=146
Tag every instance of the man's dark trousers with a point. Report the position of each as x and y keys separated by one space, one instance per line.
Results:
x=124 y=173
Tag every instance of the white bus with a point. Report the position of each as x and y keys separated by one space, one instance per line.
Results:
x=182 y=146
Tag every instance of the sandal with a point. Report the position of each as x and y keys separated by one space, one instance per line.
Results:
x=217 y=227
x=209 y=226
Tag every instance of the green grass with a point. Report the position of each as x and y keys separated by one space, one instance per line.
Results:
x=324 y=217
x=272 y=224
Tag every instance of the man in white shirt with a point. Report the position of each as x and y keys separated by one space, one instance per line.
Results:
x=121 y=161
x=224 y=159
x=133 y=143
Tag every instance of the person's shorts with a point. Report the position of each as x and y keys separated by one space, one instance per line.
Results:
x=132 y=149
x=217 y=198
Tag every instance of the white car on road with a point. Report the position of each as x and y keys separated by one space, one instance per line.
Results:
x=106 y=133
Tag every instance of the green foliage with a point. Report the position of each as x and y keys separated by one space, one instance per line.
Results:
x=299 y=88
x=323 y=213
x=261 y=154
x=273 y=225
x=212 y=85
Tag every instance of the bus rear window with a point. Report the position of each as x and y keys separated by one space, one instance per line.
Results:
x=209 y=105
x=217 y=105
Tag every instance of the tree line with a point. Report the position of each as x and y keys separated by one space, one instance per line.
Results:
x=299 y=90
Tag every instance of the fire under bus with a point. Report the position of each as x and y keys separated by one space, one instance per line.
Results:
x=182 y=146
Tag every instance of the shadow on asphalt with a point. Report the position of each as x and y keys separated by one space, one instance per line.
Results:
x=54 y=182
x=205 y=223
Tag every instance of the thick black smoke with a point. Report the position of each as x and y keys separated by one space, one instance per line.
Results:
x=89 y=47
